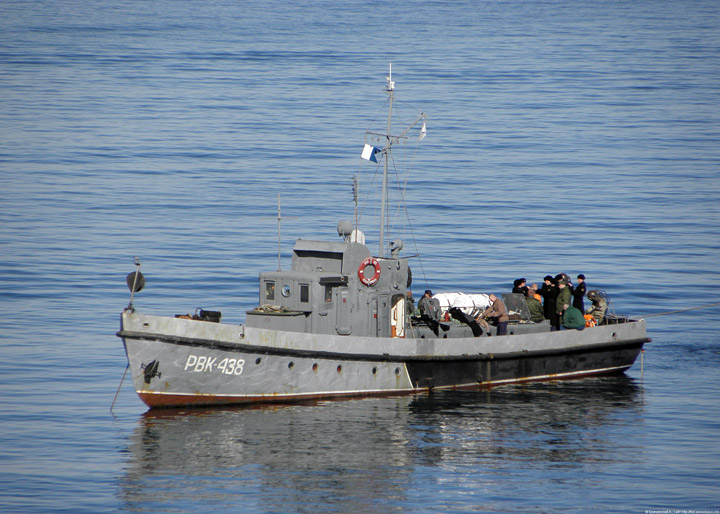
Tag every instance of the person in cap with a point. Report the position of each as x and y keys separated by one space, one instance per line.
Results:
x=563 y=299
x=429 y=306
x=520 y=287
x=579 y=293
x=549 y=293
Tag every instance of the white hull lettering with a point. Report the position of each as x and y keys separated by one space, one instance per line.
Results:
x=205 y=364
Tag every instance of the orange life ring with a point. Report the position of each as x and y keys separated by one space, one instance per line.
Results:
x=370 y=261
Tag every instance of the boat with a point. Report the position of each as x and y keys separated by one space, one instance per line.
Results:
x=337 y=324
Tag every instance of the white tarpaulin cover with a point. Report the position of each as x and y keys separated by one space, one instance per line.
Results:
x=472 y=304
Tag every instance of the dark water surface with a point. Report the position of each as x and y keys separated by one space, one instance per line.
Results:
x=577 y=137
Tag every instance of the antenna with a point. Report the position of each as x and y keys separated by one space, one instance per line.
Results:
x=279 y=219
x=390 y=83
x=355 y=199
x=390 y=89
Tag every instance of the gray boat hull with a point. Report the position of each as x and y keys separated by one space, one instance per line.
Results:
x=179 y=362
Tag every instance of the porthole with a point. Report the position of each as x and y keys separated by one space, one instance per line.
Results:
x=286 y=290
x=397 y=371
x=315 y=367
x=291 y=365
x=374 y=370
x=257 y=361
x=339 y=369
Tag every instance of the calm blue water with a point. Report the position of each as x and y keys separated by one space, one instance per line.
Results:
x=577 y=137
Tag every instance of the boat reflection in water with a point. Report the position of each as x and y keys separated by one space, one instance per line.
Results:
x=357 y=455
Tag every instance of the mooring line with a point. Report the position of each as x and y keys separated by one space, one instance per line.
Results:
x=118 y=389
x=681 y=310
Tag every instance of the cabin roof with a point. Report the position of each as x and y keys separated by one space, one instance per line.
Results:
x=309 y=245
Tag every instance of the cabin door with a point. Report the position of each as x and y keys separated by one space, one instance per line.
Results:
x=342 y=312
x=397 y=316
x=382 y=315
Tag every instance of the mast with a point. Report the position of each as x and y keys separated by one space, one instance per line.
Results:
x=390 y=90
x=369 y=153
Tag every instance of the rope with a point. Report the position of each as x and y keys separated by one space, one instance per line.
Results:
x=118 y=389
x=681 y=310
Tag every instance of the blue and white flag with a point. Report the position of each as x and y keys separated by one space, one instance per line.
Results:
x=369 y=152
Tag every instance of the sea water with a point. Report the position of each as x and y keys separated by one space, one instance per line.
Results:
x=576 y=137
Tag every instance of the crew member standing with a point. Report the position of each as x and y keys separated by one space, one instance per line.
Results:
x=579 y=293
x=520 y=287
x=498 y=311
x=563 y=298
x=549 y=293
x=410 y=303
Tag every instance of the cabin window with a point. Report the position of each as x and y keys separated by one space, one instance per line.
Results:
x=269 y=291
x=328 y=294
x=304 y=293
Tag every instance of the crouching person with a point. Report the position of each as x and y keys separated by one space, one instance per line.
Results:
x=534 y=305
x=599 y=306
x=573 y=318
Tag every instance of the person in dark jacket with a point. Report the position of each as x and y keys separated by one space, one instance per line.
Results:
x=579 y=293
x=549 y=293
x=520 y=287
